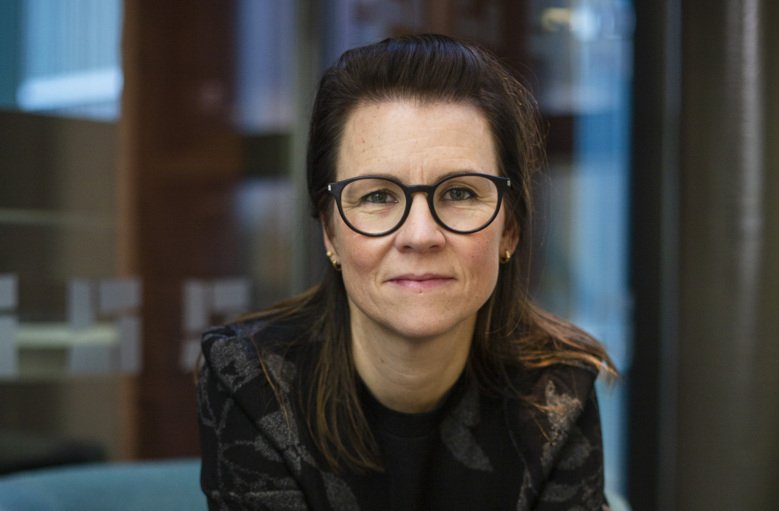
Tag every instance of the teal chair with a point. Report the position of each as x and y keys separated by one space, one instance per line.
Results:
x=170 y=485
x=140 y=486
x=617 y=502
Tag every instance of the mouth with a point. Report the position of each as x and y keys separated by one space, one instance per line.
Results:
x=421 y=282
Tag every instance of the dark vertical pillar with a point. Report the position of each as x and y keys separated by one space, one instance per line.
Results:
x=727 y=407
x=654 y=226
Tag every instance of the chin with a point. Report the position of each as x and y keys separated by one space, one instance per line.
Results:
x=423 y=329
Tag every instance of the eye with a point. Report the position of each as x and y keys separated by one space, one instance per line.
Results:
x=379 y=197
x=458 y=194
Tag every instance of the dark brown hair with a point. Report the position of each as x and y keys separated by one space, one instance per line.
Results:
x=511 y=332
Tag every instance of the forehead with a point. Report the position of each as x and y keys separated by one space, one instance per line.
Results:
x=415 y=141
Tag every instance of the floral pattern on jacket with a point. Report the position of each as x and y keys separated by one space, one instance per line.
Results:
x=492 y=453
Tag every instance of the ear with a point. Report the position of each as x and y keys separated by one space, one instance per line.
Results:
x=327 y=237
x=510 y=238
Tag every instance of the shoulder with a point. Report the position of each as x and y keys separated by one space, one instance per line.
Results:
x=556 y=429
x=557 y=401
x=244 y=352
x=560 y=383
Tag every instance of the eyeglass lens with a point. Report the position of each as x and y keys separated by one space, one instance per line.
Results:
x=462 y=203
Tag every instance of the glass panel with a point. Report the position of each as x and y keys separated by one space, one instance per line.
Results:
x=62 y=57
x=57 y=224
x=69 y=329
x=8 y=354
x=584 y=48
x=266 y=41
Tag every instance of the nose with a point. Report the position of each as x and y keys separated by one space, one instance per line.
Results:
x=420 y=231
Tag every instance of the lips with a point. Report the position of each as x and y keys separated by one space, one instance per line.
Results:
x=421 y=282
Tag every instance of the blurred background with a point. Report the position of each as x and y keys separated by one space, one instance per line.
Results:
x=152 y=183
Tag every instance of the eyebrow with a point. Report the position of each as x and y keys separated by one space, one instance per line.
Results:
x=442 y=177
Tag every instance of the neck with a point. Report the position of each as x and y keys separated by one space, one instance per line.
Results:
x=410 y=375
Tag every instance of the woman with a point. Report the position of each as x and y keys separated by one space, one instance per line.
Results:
x=417 y=375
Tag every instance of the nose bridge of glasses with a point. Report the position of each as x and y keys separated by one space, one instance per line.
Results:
x=413 y=190
x=425 y=194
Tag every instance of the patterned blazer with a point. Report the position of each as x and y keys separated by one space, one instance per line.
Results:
x=475 y=452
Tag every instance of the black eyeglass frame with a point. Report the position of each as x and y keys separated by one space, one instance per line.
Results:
x=501 y=183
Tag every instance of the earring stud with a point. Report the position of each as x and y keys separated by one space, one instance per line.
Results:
x=333 y=260
x=506 y=257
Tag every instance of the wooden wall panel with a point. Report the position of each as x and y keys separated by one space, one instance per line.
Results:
x=180 y=162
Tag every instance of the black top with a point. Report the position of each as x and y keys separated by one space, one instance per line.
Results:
x=475 y=452
x=406 y=442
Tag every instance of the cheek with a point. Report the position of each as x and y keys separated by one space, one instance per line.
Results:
x=359 y=262
x=359 y=255
x=484 y=259
x=484 y=262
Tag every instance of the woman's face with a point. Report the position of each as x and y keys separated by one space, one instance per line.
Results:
x=421 y=280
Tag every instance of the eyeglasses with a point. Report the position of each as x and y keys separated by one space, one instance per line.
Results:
x=377 y=206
